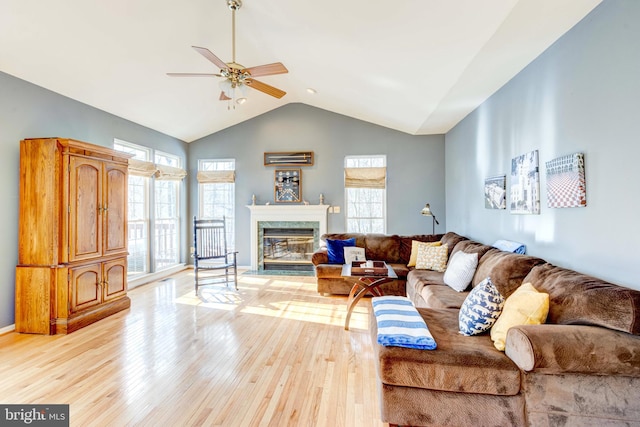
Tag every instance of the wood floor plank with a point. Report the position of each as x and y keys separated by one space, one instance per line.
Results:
x=273 y=353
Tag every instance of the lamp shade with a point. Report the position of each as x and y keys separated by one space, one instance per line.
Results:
x=426 y=211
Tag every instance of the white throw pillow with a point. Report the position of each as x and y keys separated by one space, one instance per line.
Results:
x=460 y=270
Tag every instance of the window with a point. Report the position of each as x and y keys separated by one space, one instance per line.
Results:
x=366 y=194
x=138 y=214
x=217 y=193
x=158 y=175
x=166 y=222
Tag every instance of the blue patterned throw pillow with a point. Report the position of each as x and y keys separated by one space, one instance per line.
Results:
x=480 y=309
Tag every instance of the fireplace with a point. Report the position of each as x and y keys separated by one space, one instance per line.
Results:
x=285 y=237
x=288 y=247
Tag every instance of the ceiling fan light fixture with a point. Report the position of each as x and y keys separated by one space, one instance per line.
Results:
x=241 y=100
x=311 y=90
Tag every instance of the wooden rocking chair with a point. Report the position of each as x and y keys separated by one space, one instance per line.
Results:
x=210 y=253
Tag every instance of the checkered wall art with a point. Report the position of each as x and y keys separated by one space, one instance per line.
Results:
x=566 y=187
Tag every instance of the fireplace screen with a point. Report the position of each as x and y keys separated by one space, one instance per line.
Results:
x=288 y=249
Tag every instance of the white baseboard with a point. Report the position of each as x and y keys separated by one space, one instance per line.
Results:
x=7 y=329
x=152 y=277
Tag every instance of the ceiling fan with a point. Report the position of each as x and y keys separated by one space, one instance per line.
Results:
x=236 y=75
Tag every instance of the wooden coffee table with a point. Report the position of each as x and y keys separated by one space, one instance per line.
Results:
x=365 y=283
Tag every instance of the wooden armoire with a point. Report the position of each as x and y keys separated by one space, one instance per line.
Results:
x=72 y=235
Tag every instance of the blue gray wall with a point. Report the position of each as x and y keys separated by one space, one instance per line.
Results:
x=29 y=111
x=415 y=166
x=581 y=95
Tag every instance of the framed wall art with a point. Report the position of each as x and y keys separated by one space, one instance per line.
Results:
x=566 y=186
x=288 y=186
x=289 y=158
x=525 y=184
x=495 y=192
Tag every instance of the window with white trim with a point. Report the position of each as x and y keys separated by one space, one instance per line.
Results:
x=216 y=189
x=166 y=224
x=366 y=194
x=138 y=211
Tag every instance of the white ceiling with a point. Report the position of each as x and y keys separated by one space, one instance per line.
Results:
x=417 y=66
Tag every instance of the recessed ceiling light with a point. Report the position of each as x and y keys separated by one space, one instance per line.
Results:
x=312 y=91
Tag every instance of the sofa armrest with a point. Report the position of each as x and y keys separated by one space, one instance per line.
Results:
x=320 y=256
x=557 y=349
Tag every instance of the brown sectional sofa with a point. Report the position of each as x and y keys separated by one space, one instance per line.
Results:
x=580 y=368
x=395 y=250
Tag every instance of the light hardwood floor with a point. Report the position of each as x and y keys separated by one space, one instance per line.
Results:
x=274 y=353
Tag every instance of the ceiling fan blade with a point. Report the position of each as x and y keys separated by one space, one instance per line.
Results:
x=267 y=70
x=193 y=75
x=211 y=57
x=265 y=88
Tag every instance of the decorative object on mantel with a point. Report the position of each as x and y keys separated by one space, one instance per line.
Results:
x=566 y=186
x=287 y=187
x=525 y=184
x=495 y=192
x=426 y=211
x=321 y=199
x=253 y=200
x=290 y=158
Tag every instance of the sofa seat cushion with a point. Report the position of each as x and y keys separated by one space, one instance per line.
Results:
x=442 y=296
x=459 y=364
x=418 y=279
x=401 y=270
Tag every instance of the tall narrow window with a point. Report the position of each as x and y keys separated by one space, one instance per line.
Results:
x=216 y=180
x=138 y=209
x=166 y=246
x=365 y=193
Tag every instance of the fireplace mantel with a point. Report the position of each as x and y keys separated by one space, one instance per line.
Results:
x=259 y=213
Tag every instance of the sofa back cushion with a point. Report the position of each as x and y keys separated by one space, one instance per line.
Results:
x=451 y=239
x=382 y=247
x=471 y=247
x=506 y=270
x=344 y=236
x=406 y=244
x=577 y=298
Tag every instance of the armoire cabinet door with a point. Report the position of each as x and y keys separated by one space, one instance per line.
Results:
x=115 y=208
x=114 y=279
x=84 y=286
x=85 y=208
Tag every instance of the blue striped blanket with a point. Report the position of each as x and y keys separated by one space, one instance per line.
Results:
x=400 y=324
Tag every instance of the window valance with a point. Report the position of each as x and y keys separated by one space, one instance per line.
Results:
x=170 y=173
x=213 y=177
x=365 y=177
x=141 y=168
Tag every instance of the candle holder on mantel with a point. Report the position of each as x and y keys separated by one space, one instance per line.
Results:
x=321 y=199
x=253 y=200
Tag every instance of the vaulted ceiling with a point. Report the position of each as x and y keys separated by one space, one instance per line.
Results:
x=417 y=66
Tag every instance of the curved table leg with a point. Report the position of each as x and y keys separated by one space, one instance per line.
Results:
x=362 y=287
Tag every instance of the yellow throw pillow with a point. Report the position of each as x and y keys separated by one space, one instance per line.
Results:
x=526 y=306
x=414 y=250
x=432 y=257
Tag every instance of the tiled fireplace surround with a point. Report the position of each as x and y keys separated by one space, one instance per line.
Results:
x=284 y=216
